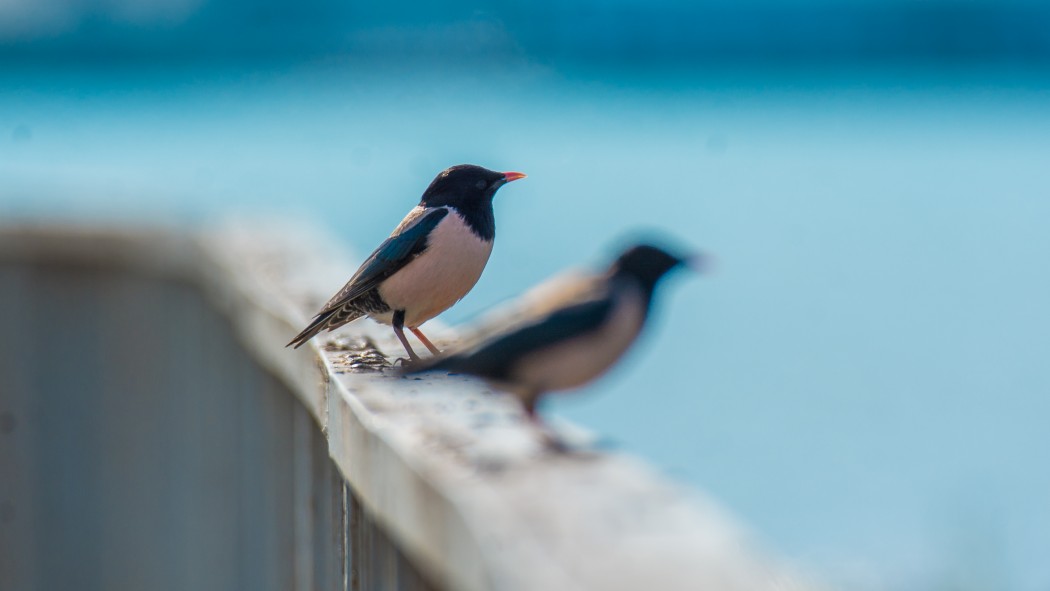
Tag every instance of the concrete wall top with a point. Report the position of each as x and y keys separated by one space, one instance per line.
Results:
x=450 y=468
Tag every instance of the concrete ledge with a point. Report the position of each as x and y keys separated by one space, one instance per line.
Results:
x=448 y=468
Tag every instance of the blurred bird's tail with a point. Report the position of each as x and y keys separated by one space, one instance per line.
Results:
x=324 y=321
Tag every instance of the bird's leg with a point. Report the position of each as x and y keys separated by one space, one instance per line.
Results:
x=528 y=400
x=423 y=339
x=398 y=322
x=549 y=436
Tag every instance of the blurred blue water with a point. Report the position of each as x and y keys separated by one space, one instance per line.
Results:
x=604 y=31
x=863 y=377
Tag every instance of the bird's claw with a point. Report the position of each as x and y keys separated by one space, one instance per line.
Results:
x=556 y=444
x=404 y=366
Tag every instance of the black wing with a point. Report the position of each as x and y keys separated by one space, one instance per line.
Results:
x=392 y=255
x=494 y=357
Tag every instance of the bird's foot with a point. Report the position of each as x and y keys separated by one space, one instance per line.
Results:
x=556 y=445
x=573 y=441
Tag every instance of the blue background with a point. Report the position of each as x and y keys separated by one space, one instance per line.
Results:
x=862 y=375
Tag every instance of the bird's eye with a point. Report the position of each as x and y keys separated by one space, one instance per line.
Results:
x=481 y=184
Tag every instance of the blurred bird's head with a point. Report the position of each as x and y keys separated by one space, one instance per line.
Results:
x=648 y=263
x=466 y=186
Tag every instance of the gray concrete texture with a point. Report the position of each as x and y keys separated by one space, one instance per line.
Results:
x=142 y=446
x=155 y=433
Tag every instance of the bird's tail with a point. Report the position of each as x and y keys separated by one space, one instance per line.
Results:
x=324 y=321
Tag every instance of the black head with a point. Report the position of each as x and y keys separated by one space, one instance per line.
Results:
x=469 y=189
x=647 y=264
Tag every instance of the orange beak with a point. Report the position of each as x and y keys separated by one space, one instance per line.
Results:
x=513 y=176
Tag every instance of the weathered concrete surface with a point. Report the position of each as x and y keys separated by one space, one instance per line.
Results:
x=461 y=478
x=149 y=450
x=142 y=447
x=450 y=469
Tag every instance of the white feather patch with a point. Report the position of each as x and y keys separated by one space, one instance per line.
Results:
x=410 y=219
x=435 y=280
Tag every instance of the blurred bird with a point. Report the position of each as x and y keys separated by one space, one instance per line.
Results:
x=566 y=332
x=431 y=260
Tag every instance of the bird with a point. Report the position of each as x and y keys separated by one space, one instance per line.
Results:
x=430 y=261
x=566 y=332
